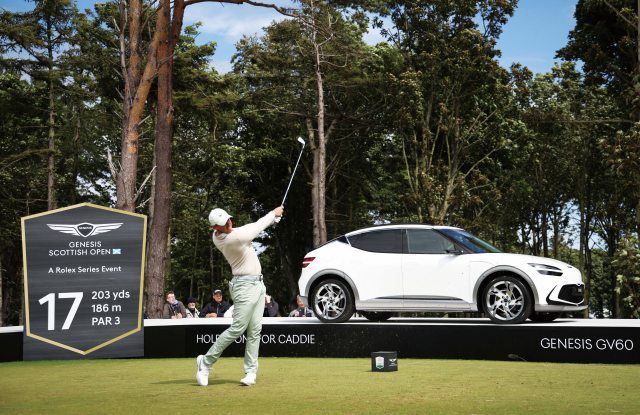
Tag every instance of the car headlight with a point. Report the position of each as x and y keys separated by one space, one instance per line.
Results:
x=547 y=269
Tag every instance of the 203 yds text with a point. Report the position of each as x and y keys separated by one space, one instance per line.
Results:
x=107 y=308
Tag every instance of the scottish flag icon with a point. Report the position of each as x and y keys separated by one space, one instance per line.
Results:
x=116 y=252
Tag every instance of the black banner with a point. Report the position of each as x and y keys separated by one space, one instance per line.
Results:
x=563 y=341
x=83 y=281
x=560 y=341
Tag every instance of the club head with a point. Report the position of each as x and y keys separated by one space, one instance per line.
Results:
x=301 y=140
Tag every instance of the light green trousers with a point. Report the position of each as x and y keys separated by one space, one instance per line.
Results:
x=248 y=308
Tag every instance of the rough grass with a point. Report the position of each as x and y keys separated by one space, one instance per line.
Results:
x=307 y=386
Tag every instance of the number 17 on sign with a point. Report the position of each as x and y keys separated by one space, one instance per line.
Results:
x=51 y=299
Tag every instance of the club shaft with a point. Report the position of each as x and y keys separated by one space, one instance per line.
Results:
x=293 y=174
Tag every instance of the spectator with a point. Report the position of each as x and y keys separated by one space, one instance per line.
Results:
x=192 y=311
x=270 y=307
x=144 y=313
x=215 y=308
x=173 y=308
x=301 y=311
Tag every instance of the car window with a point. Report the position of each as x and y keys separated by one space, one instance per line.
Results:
x=425 y=241
x=474 y=243
x=387 y=241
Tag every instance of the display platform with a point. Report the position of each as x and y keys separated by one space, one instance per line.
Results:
x=563 y=341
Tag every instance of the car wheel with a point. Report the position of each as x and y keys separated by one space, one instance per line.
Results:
x=376 y=315
x=543 y=317
x=506 y=300
x=332 y=301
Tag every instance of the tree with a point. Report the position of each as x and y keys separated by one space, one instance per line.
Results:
x=606 y=40
x=552 y=174
x=315 y=72
x=42 y=34
x=452 y=105
x=204 y=172
x=36 y=127
x=159 y=61
x=23 y=175
x=627 y=271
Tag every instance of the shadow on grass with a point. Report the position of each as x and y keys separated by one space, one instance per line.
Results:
x=223 y=381
x=195 y=382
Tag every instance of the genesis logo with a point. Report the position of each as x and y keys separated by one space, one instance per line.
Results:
x=85 y=229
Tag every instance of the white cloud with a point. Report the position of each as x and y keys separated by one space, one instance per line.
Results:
x=232 y=21
x=221 y=66
x=373 y=37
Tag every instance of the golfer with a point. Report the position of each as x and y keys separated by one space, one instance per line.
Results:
x=246 y=288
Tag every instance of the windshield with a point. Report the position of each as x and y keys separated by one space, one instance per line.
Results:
x=474 y=243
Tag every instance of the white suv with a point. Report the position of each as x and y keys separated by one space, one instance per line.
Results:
x=421 y=268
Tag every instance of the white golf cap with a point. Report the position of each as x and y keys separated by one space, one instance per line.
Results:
x=219 y=217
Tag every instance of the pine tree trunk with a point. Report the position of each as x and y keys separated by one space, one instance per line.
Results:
x=158 y=257
x=293 y=285
x=137 y=86
x=534 y=235
x=132 y=112
x=318 y=200
x=51 y=198
x=583 y=229
x=582 y=236
x=193 y=264
x=167 y=267
x=152 y=195
x=74 y=176
x=587 y=283
x=556 y=235
x=159 y=229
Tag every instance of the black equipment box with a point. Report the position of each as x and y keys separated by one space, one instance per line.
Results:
x=384 y=361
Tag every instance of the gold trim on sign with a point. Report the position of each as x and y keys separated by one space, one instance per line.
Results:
x=26 y=285
x=24 y=277
x=112 y=341
x=84 y=204
x=144 y=248
x=64 y=346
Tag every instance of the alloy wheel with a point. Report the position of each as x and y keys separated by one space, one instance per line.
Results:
x=504 y=300
x=330 y=301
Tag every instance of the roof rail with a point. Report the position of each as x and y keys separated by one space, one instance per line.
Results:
x=390 y=224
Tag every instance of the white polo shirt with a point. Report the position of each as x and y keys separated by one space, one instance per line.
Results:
x=237 y=249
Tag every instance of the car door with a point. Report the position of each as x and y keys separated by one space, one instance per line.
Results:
x=374 y=264
x=431 y=277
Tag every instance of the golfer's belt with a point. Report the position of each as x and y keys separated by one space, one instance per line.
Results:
x=248 y=277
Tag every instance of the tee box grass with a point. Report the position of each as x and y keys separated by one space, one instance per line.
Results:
x=309 y=386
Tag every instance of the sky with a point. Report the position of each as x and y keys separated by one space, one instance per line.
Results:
x=532 y=36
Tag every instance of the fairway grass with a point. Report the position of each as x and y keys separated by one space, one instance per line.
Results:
x=309 y=386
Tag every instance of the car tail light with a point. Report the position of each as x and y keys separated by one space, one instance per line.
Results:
x=307 y=261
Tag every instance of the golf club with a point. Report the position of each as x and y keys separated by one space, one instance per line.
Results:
x=293 y=174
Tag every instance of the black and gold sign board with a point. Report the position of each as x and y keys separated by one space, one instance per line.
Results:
x=83 y=283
